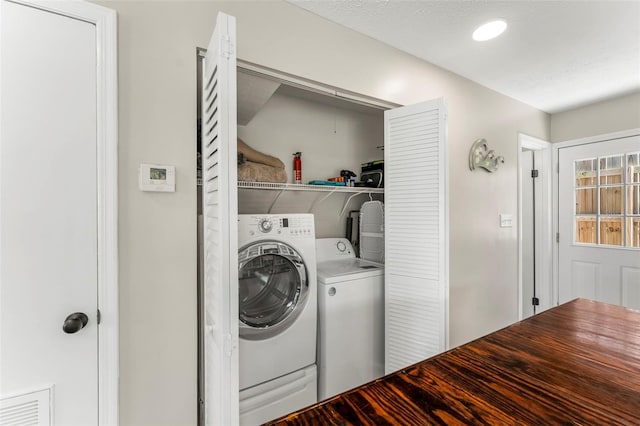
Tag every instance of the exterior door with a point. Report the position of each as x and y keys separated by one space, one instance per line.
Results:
x=48 y=218
x=599 y=222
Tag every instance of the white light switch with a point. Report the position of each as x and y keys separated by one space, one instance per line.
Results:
x=506 y=221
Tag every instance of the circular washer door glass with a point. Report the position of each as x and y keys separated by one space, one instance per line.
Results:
x=269 y=290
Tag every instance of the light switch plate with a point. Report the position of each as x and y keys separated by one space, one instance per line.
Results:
x=506 y=220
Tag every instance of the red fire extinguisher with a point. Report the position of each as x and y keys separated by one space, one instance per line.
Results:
x=297 y=167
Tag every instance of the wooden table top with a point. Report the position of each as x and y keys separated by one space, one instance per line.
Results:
x=578 y=363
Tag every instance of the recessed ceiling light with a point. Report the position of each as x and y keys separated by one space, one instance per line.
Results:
x=490 y=30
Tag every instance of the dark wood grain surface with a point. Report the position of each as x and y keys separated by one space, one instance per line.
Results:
x=576 y=364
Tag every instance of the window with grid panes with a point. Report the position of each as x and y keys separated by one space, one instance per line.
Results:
x=607 y=200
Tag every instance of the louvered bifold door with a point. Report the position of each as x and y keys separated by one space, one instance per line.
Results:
x=220 y=211
x=416 y=233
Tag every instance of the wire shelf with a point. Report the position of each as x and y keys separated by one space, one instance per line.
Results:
x=309 y=188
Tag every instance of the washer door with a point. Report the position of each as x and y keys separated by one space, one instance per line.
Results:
x=272 y=288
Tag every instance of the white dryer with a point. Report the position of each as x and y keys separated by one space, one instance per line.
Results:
x=350 y=318
x=278 y=308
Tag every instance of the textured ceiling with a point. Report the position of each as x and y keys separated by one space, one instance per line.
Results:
x=554 y=55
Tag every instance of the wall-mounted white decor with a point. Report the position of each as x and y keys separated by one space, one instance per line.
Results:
x=481 y=156
x=157 y=178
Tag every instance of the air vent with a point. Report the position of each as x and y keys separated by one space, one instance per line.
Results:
x=29 y=409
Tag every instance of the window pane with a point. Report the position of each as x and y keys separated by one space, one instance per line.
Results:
x=586 y=230
x=611 y=170
x=611 y=231
x=633 y=232
x=587 y=201
x=607 y=200
x=611 y=200
x=633 y=166
x=633 y=199
x=586 y=172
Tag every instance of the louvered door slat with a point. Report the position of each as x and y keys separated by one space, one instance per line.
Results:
x=220 y=212
x=416 y=275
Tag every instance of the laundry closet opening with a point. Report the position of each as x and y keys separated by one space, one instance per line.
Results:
x=336 y=132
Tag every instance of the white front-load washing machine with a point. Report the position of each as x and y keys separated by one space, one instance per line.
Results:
x=351 y=318
x=278 y=306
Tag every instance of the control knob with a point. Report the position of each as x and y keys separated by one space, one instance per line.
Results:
x=265 y=225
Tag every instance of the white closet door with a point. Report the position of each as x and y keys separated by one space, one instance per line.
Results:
x=416 y=234
x=220 y=211
x=51 y=220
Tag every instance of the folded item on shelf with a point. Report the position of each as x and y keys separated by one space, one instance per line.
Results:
x=252 y=155
x=250 y=171
x=326 y=182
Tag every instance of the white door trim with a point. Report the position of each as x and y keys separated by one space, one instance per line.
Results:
x=105 y=21
x=555 y=153
x=543 y=236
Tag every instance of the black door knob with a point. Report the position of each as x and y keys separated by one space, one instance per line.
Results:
x=75 y=322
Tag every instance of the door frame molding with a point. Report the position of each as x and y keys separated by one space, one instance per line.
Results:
x=555 y=151
x=543 y=235
x=105 y=21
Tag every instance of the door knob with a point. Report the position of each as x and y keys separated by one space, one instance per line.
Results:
x=75 y=322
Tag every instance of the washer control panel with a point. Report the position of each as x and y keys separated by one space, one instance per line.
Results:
x=334 y=249
x=299 y=225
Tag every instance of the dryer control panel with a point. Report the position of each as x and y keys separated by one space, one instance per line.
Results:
x=295 y=225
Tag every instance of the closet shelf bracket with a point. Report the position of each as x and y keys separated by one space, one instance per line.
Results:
x=346 y=203
x=316 y=202
x=275 y=200
x=319 y=199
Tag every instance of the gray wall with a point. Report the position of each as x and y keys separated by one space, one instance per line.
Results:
x=331 y=137
x=608 y=116
x=157 y=78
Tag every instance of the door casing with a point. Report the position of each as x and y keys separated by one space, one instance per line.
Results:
x=543 y=234
x=105 y=22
